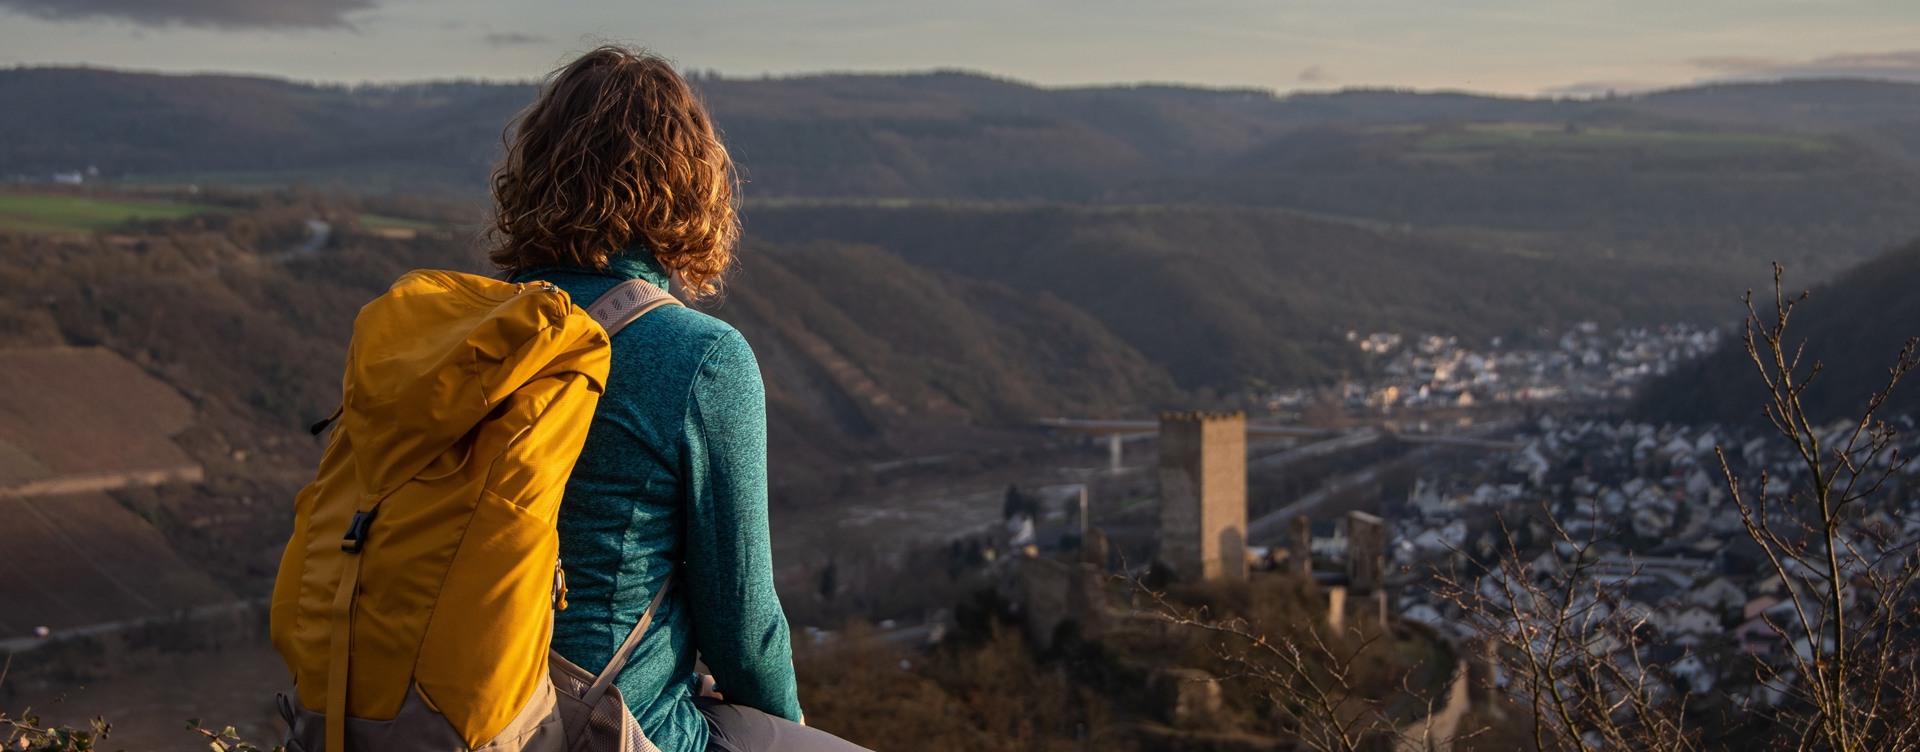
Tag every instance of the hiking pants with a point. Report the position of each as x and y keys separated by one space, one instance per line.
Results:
x=738 y=728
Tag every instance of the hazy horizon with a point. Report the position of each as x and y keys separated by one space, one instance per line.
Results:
x=1571 y=93
x=1502 y=47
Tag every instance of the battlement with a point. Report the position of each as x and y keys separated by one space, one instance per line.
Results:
x=1202 y=416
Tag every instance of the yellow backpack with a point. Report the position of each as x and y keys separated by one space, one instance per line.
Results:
x=415 y=601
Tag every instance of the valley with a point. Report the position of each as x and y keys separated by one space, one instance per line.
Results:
x=1422 y=296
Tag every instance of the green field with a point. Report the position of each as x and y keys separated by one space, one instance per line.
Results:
x=52 y=214
x=376 y=221
x=1489 y=136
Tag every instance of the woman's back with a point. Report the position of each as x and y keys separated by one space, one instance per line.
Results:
x=674 y=471
x=616 y=173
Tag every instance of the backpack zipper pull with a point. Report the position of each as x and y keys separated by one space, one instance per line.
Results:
x=559 y=586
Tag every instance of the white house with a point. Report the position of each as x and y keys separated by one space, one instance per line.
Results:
x=1718 y=594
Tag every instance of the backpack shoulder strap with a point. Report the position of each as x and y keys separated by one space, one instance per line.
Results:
x=619 y=662
x=626 y=303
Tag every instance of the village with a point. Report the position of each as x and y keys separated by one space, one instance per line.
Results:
x=1585 y=364
x=1645 y=514
x=1667 y=581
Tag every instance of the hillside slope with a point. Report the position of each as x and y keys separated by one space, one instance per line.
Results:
x=1225 y=298
x=863 y=352
x=857 y=339
x=1603 y=191
x=883 y=330
x=112 y=428
x=1853 y=327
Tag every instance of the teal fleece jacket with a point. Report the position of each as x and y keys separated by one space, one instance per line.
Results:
x=673 y=478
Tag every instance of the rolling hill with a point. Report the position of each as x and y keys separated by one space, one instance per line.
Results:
x=862 y=350
x=1818 y=173
x=1599 y=192
x=885 y=330
x=1223 y=298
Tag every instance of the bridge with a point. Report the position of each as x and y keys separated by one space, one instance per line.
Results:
x=1118 y=431
x=1328 y=439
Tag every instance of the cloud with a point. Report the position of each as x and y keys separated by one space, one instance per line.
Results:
x=1899 y=65
x=514 y=38
x=1315 y=74
x=219 y=14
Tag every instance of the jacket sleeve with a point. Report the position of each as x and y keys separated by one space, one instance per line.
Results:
x=738 y=624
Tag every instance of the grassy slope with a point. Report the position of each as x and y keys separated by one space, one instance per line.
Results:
x=44 y=213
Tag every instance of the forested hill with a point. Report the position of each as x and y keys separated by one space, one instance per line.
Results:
x=1818 y=174
x=1225 y=298
x=1854 y=327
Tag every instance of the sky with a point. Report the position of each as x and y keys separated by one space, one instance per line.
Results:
x=1518 y=47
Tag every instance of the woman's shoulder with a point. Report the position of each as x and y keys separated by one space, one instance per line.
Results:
x=675 y=357
x=681 y=336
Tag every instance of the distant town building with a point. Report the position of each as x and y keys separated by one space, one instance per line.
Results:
x=1203 y=495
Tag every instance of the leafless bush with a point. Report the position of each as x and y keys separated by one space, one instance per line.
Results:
x=1851 y=675
x=1849 y=680
x=1314 y=694
x=1572 y=652
x=1323 y=685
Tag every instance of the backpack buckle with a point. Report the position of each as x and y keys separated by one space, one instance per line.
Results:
x=356 y=532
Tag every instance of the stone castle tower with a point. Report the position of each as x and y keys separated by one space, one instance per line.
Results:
x=1203 y=495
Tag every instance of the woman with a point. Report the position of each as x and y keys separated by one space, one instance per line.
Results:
x=615 y=173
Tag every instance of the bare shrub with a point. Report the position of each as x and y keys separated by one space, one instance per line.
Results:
x=1851 y=676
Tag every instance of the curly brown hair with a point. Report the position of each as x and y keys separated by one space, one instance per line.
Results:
x=616 y=150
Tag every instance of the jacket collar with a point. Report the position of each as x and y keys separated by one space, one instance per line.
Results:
x=636 y=262
x=631 y=262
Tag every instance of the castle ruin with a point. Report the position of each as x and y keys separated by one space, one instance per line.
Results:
x=1366 y=551
x=1203 y=495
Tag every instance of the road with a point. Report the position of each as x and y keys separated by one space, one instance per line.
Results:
x=1342 y=443
x=318 y=232
x=1271 y=528
x=24 y=644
